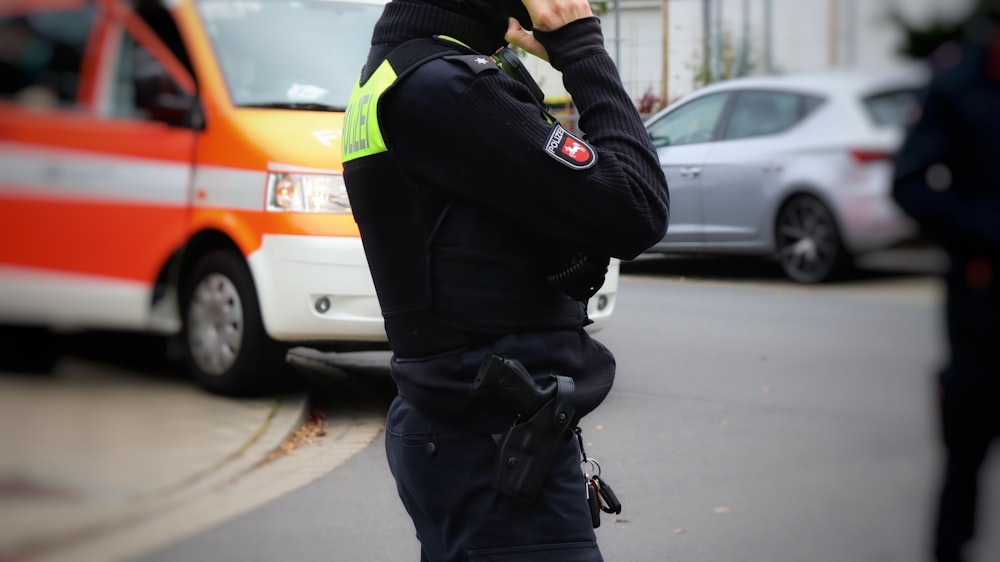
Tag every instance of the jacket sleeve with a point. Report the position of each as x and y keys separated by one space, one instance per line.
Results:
x=483 y=138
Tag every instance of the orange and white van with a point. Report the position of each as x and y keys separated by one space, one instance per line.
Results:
x=173 y=167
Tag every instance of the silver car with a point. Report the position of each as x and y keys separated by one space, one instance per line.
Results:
x=796 y=167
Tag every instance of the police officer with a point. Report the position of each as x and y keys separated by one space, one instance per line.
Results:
x=487 y=226
x=948 y=179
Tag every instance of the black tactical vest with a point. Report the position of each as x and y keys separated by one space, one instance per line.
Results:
x=458 y=285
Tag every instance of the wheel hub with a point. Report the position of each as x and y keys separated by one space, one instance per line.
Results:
x=805 y=249
x=807 y=240
x=216 y=324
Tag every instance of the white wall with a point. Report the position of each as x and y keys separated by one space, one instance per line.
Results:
x=803 y=37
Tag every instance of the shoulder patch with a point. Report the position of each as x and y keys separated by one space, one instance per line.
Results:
x=569 y=149
x=476 y=63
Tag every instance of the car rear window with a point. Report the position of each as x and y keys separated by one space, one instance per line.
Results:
x=891 y=109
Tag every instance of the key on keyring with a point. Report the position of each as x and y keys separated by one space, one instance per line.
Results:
x=610 y=503
x=594 y=502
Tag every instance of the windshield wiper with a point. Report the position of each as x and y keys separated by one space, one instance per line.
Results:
x=305 y=106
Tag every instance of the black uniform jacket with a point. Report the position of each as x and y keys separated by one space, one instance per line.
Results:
x=477 y=140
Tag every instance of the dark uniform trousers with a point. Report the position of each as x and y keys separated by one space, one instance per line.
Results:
x=444 y=476
x=969 y=412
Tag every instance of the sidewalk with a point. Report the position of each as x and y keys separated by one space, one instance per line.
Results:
x=98 y=464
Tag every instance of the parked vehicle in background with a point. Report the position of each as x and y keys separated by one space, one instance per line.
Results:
x=173 y=167
x=796 y=167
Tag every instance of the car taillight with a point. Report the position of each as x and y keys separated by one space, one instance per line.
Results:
x=867 y=155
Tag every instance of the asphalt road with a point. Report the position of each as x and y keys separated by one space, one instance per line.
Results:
x=752 y=420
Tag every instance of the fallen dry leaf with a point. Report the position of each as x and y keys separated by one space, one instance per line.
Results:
x=313 y=427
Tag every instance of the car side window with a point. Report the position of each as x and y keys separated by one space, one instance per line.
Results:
x=690 y=123
x=41 y=55
x=758 y=113
x=810 y=103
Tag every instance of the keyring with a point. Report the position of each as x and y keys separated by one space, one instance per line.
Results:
x=592 y=464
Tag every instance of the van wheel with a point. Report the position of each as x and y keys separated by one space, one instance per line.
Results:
x=225 y=345
x=808 y=243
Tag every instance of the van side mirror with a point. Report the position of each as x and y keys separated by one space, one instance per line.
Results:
x=173 y=108
x=158 y=96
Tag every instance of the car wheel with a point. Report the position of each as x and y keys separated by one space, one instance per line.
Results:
x=226 y=347
x=807 y=241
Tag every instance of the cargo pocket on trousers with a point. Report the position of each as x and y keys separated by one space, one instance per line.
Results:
x=560 y=552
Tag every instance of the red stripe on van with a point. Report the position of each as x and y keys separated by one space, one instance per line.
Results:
x=112 y=240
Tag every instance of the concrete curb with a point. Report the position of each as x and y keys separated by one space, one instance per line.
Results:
x=349 y=431
x=63 y=497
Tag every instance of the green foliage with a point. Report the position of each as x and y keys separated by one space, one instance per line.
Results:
x=920 y=41
x=734 y=62
x=650 y=103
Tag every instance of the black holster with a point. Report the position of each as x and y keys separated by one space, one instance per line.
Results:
x=528 y=449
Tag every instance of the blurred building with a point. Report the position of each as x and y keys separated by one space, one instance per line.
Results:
x=746 y=37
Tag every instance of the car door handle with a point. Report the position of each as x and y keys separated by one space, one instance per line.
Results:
x=691 y=172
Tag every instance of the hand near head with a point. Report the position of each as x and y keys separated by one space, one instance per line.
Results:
x=546 y=15
x=550 y=15
x=517 y=36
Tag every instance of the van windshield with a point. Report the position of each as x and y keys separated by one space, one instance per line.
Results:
x=299 y=54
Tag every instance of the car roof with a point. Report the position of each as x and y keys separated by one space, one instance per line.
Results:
x=855 y=81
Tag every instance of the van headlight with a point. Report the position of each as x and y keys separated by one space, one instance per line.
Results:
x=307 y=193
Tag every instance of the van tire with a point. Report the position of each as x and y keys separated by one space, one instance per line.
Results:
x=226 y=348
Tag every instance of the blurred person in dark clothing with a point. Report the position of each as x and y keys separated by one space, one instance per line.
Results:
x=948 y=179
